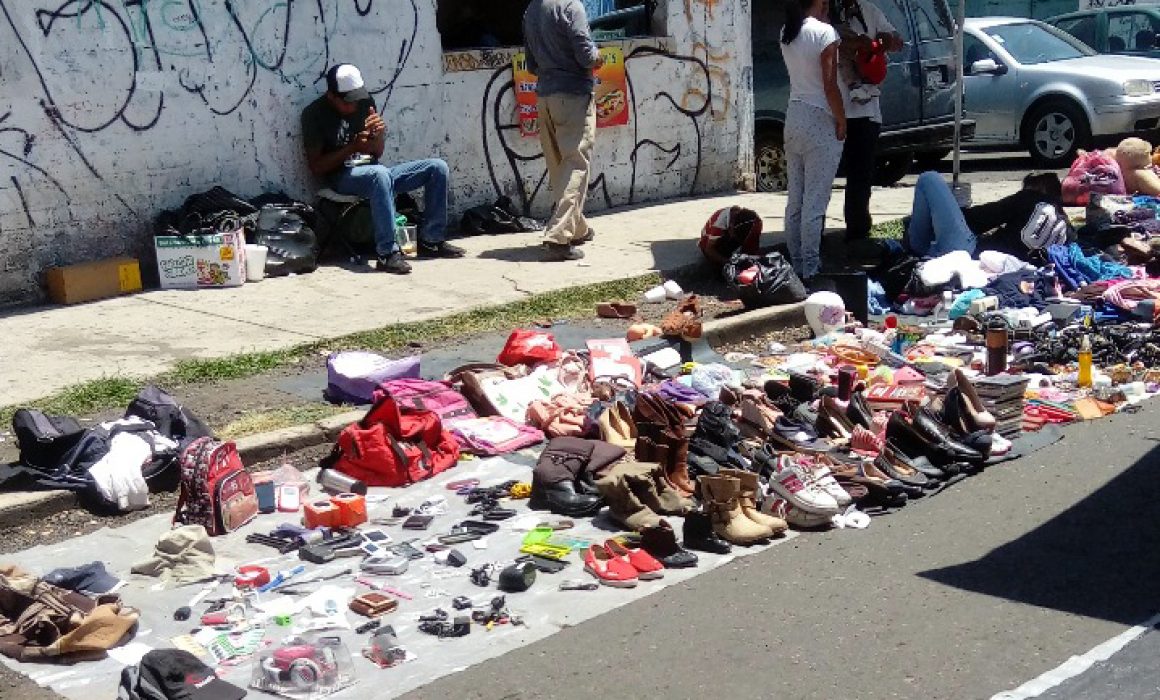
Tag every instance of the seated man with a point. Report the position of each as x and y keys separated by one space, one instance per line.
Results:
x=344 y=140
x=938 y=226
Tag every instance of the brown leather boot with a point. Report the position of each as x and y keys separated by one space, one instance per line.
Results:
x=721 y=500
x=677 y=467
x=747 y=497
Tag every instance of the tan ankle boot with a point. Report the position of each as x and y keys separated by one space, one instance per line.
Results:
x=673 y=501
x=720 y=494
x=747 y=497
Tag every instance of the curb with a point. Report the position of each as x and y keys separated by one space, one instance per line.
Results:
x=23 y=507
x=751 y=324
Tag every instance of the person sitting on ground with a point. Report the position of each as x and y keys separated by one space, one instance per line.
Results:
x=344 y=138
x=938 y=226
x=727 y=231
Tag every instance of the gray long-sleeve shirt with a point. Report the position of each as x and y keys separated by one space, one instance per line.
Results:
x=559 y=47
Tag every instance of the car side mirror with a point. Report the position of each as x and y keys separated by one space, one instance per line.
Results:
x=988 y=66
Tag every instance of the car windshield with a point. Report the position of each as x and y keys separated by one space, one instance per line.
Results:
x=1030 y=43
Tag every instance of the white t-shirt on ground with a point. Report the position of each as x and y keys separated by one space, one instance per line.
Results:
x=861 y=100
x=803 y=59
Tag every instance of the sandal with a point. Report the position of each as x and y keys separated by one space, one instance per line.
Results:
x=615 y=309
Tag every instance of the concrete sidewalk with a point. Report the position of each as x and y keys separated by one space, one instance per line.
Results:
x=48 y=348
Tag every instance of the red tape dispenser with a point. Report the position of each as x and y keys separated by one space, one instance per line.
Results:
x=352 y=509
x=322 y=514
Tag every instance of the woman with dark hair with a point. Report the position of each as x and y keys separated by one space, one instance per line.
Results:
x=938 y=226
x=815 y=127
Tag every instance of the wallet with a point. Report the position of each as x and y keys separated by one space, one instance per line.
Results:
x=373 y=604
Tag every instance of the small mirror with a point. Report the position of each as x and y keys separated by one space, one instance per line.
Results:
x=985 y=67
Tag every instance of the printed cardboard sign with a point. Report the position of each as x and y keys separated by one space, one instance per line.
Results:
x=611 y=92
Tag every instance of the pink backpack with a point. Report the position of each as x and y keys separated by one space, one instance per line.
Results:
x=437 y=397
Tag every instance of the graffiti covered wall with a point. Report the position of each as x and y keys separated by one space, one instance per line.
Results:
x=113 y=110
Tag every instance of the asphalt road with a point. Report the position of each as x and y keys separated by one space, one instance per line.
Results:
x=965 y=595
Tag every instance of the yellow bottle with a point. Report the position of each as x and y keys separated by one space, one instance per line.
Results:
x=1085 y=363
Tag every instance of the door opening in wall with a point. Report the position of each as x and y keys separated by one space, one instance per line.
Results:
x=485 y=24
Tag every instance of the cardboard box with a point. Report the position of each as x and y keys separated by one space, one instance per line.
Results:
x=90 y=281
x=190 y=262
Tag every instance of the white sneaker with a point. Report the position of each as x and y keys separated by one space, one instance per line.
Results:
x=795 y=485
x=824 y=479
x=999 y=445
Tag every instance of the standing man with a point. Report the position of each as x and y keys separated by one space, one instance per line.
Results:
x=561 y=53
x=859 y=23
x=344 y=140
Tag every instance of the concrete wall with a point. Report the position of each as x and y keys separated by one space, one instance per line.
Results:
x=112 y=110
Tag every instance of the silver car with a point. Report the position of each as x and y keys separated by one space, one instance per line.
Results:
x=1031 y=84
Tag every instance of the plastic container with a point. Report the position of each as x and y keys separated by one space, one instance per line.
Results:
x=1084 y=378
x=407 y=237
x=304 y=668
x=256 y=262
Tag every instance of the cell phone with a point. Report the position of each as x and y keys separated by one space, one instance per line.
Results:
x=267 y=500
x=361 y=112
x=418 y=522
x=289 y=498
x=406 y=549
x=457 y=537
x=376 y=536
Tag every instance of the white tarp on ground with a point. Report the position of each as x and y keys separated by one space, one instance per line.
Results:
x=545 y=609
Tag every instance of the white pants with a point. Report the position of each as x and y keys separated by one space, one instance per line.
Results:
x=812 y=154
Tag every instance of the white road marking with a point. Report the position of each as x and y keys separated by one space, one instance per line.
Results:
x=1077 y=665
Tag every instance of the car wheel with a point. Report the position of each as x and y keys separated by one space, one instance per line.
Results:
x=1053 y=132
x=892 y=168
x=929 y=160
x=771 y=171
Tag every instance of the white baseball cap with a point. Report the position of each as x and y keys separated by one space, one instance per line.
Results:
x=346 y=81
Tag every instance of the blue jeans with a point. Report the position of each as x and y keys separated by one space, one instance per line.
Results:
x=937 y=226
x=379 y=184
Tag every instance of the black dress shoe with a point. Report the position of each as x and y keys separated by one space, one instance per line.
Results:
x=562 y=499
x=928 y=425
x=907 y=439
x=698 y=534
x=858 y=411
x=918 y=463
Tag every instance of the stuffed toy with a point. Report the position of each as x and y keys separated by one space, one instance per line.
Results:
x=1135 y=159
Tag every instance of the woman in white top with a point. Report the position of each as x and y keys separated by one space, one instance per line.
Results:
x=815 y=127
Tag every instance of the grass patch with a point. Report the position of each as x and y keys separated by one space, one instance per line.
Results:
x=81 y=399
x=887 y=229
x=225 y=368
x=254 y=422
x=116 y=392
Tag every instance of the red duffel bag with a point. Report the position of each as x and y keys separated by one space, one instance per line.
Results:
x=394 y=447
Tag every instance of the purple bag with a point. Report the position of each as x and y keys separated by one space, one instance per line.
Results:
x=353 y=376
x=675 y=392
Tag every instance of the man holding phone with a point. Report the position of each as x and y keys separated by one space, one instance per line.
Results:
x=344 y=138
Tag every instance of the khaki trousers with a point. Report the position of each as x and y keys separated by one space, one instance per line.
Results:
x=567 y=132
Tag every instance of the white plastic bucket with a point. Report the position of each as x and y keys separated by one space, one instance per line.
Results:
x=255 y=262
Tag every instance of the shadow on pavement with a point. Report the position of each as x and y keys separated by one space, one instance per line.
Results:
x=1097 y=559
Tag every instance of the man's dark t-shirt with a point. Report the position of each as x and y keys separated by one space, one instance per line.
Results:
x=324 y=128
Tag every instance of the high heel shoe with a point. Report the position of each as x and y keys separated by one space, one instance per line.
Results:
x=978 y=415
